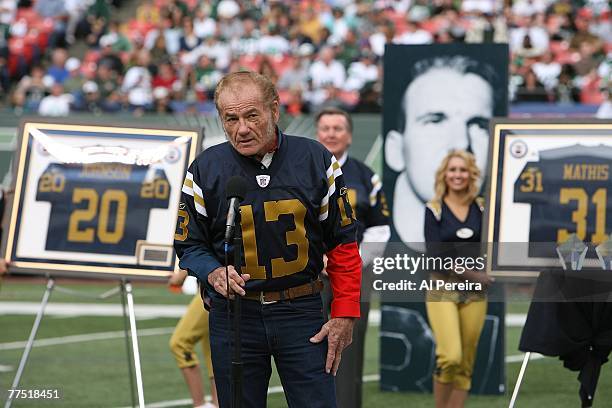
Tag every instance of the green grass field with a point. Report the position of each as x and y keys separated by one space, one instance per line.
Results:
x=94 y=373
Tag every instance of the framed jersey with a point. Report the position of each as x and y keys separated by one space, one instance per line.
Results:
x=96 y=199
x=548 y=180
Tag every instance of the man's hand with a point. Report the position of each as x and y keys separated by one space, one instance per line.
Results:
x=339 y=333
x=324 y=271
x=3 y=266
x=177 y=279
x=217 y=280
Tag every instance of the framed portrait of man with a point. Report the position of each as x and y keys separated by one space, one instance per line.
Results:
x=551 y=182
x=96 y=200
x=436 y=98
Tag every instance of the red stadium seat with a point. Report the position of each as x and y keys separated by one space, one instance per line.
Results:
x=281 y=63
x=398 y=20
x=284 y=96
x=250 y=61
x=431 y=26
x=590 y=93
x=350 y=98
x=91 y=56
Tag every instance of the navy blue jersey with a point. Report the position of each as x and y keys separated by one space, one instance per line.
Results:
x=365 y=195
x=568 y=189
x=294 y=211
x=102 y=207
x=442 y=226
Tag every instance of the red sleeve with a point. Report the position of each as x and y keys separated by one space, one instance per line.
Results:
x=344 y=269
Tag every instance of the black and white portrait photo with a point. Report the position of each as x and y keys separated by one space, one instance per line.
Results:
x=436 y=98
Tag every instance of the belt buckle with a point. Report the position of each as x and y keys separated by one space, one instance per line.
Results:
x=263 y=300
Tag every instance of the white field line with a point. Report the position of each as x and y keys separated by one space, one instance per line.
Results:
x=91 y=309
x=82 y=338
x=518 y=358
x=279 y=389
x=271 y=390
x=144 y=311
x=150 y=311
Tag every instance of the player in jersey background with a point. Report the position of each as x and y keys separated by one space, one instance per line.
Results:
x=191 y=329
x=567 y=189
x=294 y=211
x=334 y=130
x=101 y=194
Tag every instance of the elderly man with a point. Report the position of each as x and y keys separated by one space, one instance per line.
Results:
x=295 y=210
x=335 y=132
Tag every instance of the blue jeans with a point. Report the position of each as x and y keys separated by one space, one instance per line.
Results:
x=282 y=330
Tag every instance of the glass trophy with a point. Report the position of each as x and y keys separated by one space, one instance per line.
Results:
x=572 y=252
x=604 y=253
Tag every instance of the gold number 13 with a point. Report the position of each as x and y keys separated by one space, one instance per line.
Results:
x=297 y=236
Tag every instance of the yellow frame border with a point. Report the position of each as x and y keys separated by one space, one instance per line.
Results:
x=499 y=126
x=25 y=136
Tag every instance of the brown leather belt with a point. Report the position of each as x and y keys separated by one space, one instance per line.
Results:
x=311 y=288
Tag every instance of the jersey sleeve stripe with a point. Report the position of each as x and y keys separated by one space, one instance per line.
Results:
x=376 y=186
x=323 y=212
x=332 y=172
x=187 y=190
x=188 y=184
x=191 y=188
x=198 y=197
x=200 y=208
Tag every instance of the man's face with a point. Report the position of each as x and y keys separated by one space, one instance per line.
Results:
x=445 y=110
x=249 y=122
x=333 y=133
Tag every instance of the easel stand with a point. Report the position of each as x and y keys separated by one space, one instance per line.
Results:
x=129 y=319
x=519 y=380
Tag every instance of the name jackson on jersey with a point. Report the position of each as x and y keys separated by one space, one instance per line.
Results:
x=100 y=207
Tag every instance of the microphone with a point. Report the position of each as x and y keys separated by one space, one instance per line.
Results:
x=235 y=190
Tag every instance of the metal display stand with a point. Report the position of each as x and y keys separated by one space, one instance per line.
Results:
x=237 y=366
x=519 y=380
x=129 y=317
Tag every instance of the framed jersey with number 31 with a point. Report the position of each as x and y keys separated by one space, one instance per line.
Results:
x=548 y=180
x=96 y=200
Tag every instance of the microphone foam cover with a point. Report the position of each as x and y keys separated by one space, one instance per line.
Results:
x=236 y=186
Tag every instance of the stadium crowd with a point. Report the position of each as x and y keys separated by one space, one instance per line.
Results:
x=169 y=54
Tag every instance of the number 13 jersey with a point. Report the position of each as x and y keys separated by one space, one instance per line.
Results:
x=295 y=210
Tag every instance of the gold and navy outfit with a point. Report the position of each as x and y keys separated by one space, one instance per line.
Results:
x=456 y=318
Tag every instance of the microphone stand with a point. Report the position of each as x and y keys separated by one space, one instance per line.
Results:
x=237 y=368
